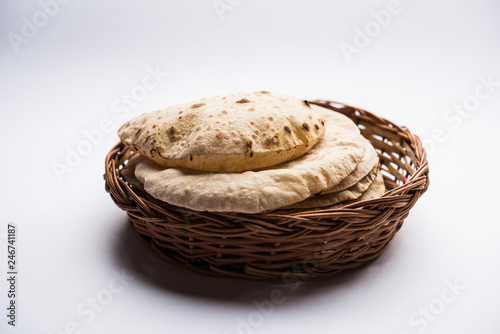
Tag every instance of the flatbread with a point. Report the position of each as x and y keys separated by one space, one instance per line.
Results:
x=236 y=132
x=324 y=166
x=376 y=189
x=349 y=194
x=366 y=165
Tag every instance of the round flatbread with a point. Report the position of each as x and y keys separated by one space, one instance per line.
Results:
x=324 y=166
x=350 y=194
x=365 y=167
x=237 y=132
x=376 y=189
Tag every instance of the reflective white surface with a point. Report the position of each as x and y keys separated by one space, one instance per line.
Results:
x=78 y=76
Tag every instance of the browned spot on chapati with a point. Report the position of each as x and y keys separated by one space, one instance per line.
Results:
x=274 y=140
x=197 y=105
x=220 y=136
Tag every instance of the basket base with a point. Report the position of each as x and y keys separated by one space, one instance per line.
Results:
x=303 y=269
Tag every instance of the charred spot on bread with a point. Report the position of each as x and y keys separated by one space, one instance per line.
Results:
x=243 y=101
x=305 y=126
x=220 y=136
x=307 y=103
x=197 y=105
x=274 y=140
x=287 y=130
x=172 y=134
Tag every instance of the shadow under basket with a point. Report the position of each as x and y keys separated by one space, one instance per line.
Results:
x=278 y=246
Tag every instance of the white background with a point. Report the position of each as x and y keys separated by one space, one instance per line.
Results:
x=69 y=76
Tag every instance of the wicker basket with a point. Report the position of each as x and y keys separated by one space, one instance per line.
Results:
x=274 y=246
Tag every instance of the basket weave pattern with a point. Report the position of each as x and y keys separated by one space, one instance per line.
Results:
x=274 y=246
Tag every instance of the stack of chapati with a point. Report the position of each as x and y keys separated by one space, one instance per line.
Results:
x=251 y=152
